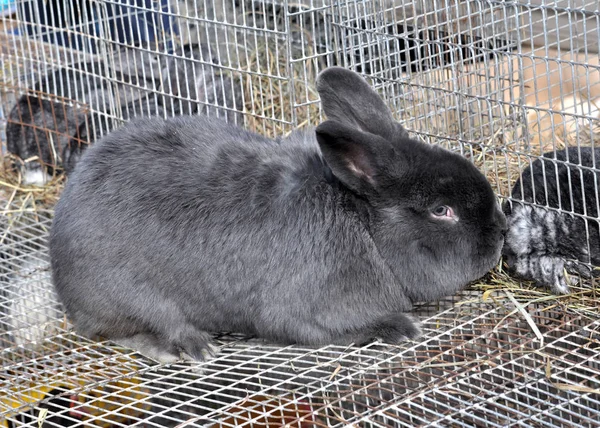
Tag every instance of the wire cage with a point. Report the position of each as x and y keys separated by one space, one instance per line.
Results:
x=502 y=82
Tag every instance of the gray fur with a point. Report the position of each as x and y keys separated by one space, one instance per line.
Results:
x=542 y=243
x=168 y=230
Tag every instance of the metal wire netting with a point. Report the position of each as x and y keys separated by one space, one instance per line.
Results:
x=483 y=360
x=501 y=82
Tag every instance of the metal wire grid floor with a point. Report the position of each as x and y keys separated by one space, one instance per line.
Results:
x=484 y=360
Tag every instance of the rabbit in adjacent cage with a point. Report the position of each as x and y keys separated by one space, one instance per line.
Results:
x=28 y=305
x=327 y=238
x=44 y=121
x=541 y=243
x=48 y=134
x=201 y=88
x=30 y=308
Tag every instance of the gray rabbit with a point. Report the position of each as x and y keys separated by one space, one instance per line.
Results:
x=171 y=229
x=192 y=77
x=541 y=242
x=50 y=134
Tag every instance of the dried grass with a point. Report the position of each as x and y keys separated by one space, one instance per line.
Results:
x=498 y=285
x=17 y=197
x=268 y=87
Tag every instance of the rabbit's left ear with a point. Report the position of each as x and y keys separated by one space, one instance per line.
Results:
x=347 y=98
x=356 y=158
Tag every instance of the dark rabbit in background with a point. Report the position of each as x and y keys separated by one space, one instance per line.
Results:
x=39 y=130
x=45 y=134
x=541 y=243
x=170 y=229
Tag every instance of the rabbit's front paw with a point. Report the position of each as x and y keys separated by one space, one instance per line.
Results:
x=550 y=271
x=392 y=329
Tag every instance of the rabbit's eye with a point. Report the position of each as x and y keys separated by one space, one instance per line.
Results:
x=444 y=211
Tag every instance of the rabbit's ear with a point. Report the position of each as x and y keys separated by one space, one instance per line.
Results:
x=347 y=98
x=355 y=157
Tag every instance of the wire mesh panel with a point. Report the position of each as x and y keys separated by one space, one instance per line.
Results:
x=79 y=71
x=502 y=82
x=445 y=66
x=484 y=360
x=558 y=94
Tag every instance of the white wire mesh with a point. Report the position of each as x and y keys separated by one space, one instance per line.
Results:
x=479 y=362
x=500 y=81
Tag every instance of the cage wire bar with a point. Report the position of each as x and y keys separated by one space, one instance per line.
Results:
x=501 y=82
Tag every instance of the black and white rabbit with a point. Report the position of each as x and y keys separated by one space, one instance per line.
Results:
x=38 y=129
x=48 y=134
x=541 y=243
x=168 y=230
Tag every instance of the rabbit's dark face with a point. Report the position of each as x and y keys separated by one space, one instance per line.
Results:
x=433 y=216
x=436 y=220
